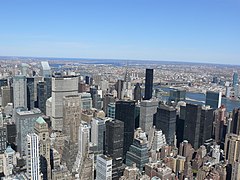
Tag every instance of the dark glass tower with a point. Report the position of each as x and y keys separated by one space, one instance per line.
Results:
x=198 y=124
x=126 y=112
x=41 y=96
x=137 y=92
x=30 y=93
x=114 y=146
x=166 y=121
x=148 y=84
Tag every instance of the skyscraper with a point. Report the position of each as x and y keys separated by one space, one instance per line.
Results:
x=166 y=121
x=25 y=121
x=198 y=124
x=111 y=110
x=114 y=146
x=232 y=147
x=213 y=99
x=148 y=84
x=235 y=123
x=32 y=147
x=30 y=93
x=6 y=92
x=98 y=129
x=104 y=168
x=45 y=69
x=138 y=151
x=235 y=79
x=147 y=110
x=19 y=91
x=41 y=96
x=41 y=129
x=71 y=116
x=126 y=112
x=177 y=95
x=61 y=86
x=137 y=92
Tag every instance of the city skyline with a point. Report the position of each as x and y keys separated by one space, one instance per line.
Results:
x=166 y=31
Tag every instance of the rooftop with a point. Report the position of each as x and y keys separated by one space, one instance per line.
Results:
x=40 y=120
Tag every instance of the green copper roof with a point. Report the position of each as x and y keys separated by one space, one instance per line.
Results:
x=40 y=120
x=9 y=150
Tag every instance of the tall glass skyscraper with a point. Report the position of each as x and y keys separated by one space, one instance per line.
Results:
x=235 y=78
x=148 y=84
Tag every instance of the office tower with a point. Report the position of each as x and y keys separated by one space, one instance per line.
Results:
x=86 y=101
x=107 y=99
x=177 y=95
x=180 y=120
x=138 y=151
x=32 y=147
x=228 y=92
x=61 y=86
x=235 y=79
x=98 y=129
x=25 y=121
x=30 y=93
x=41 y=97
x=19 y=91
x=45 y=69
x=236 y=91
x=119 y=88
x=89 y=80
x=41 y=130
x=111 y=110
x=6 y=92
x=9 y=161
x=24 y=69
x=137 y=92
x=3 y=138
x=148 y=84
x=147 y=110
x=126 y=112
x=71 y=116
x=114 y=145
x=198 y=124
x=37 y=79
x=48 y=86
x=235 y=123
x=96 y=98
x=232 y=147
x=104 y=168
x=83 y=140
x=213 y=99
x=219 y=125
x=166 y=121
x=215 y=153
x=11 y=133
x=236 y=170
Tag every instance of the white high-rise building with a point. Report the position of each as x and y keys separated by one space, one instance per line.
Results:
x=104 y=168
x=45 y=69
x=19 y=91
x=216 y=153
x=83 y=140
x=61 y=86
x=33 y=164
x=9 y=161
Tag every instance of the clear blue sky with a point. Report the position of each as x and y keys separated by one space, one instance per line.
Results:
x=177 y=30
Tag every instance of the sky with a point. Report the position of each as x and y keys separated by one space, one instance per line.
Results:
x=167 y=30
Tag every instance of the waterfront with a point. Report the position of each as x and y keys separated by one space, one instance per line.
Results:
x=199 y=98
